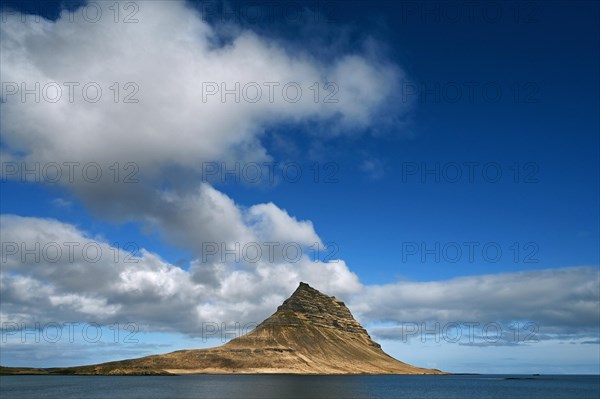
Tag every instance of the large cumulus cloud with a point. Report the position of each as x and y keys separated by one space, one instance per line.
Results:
x=68 y=275
x=173 y=131
x=170 y=55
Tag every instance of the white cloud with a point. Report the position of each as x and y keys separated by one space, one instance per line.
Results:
x=169 y=54
x=563 y=300
x=273 y=223
x=171 y=133
x=80 y=285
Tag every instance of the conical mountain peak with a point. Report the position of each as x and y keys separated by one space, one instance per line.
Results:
x=307 y=306
x=306 y=299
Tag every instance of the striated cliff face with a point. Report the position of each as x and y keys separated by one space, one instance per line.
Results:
x=310 y=333
x=309 y=305
x=306 y=318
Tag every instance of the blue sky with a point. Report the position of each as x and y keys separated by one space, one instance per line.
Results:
x=515 y=94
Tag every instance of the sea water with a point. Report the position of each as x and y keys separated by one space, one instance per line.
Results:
x=293 y=386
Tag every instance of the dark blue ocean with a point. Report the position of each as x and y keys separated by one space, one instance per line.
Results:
x=313 y=387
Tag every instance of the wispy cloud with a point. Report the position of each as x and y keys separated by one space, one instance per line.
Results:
x=61 y=203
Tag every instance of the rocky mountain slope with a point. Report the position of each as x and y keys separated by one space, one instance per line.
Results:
x=310 y=333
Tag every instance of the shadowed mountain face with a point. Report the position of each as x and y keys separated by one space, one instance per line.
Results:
x=310 y=333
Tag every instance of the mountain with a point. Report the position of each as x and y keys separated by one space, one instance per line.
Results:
x=310 y=333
